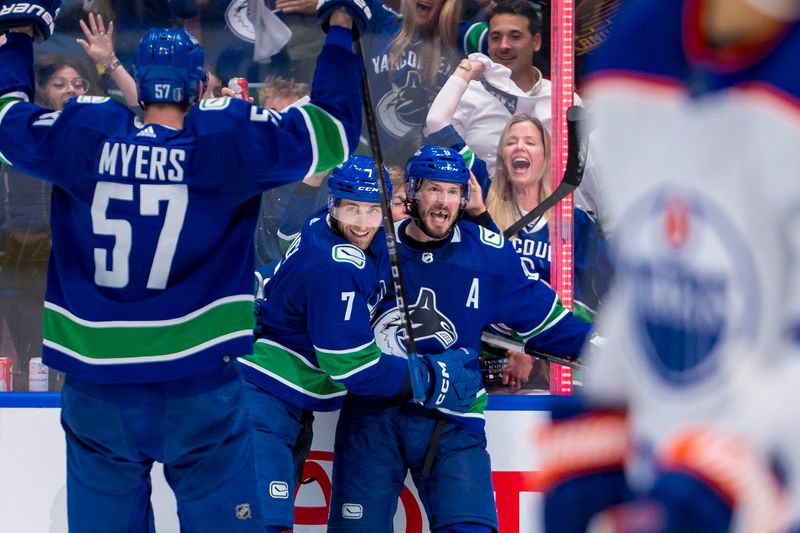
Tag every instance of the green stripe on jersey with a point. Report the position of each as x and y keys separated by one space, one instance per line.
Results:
x=476 y=408
x=328 y=140
x=342 y=364
x=468 y=156
x=5 y=104
x=472 y=39
x=131 y=341
x=557 y=312
x=583 y=312
x=479 y=405
x=293 y=370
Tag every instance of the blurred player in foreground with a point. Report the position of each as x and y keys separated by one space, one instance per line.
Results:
x=698 y=123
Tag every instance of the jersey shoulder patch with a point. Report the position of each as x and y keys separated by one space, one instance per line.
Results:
x=214 y=104
x=347 y=253
x=92 y=99
x=490 y=238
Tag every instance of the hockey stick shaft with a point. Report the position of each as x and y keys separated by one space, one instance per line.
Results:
x=578 y=146
x=509 y=344
x=417 y=387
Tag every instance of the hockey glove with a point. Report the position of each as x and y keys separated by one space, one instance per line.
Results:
x=40 y=14
x=453 y=379
x=359 y=11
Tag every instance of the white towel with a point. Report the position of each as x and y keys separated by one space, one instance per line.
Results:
x=497 y=75
x=271 y=34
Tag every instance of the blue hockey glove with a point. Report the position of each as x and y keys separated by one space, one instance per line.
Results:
x=359 y=10
x=40 y=14
x=453 y=379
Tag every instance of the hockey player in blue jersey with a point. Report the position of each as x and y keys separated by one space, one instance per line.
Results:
x=148 y=297
x=460 y=278
x=315 y=341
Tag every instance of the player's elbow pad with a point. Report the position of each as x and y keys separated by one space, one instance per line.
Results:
x=583 y=455
x=709 y=478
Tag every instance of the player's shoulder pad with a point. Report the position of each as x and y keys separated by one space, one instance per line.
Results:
x=349 y=254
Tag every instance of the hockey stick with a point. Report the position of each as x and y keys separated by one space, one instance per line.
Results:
x=578 y=146
x=414 y=370
x=509 y=344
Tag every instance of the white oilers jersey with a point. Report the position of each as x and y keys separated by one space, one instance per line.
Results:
x=701 y=153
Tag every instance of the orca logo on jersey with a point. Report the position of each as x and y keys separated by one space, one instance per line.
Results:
x=689 y=284
x=434 y=332
x=405 y=106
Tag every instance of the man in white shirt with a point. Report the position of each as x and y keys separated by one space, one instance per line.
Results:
x=514 y=36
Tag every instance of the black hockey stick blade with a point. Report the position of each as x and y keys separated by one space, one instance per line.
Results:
x=577 y=152
x=498 y=341
x=414 y=370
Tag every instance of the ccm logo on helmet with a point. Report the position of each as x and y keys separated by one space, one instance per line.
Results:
x=26 y=7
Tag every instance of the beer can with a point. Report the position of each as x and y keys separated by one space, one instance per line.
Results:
x=37 y=375
x=239 y=87
x=5 y=374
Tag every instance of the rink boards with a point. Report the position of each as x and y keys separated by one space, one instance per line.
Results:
x=32 y=469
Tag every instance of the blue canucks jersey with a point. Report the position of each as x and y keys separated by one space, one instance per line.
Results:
x=314 y=337
x=474 y=279
x=150 y=276
x=400 y=95
x=592 y=263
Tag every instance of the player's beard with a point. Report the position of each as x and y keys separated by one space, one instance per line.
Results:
x=435 y=227
x=355 y=235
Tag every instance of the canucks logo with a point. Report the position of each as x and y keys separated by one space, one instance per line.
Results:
x=404 y=107
x=434 y=332
x=689 y=284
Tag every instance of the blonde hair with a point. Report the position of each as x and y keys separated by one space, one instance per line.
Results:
x=500 y=198
x=398 y=178
x=277 y=87
x=444 y=38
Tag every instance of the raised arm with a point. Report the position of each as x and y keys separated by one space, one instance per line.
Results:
x=446 y=102
x=99 y=45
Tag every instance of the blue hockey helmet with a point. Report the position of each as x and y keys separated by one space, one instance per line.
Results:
x=168 y=65
x=437 y=163
x=356 y=180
